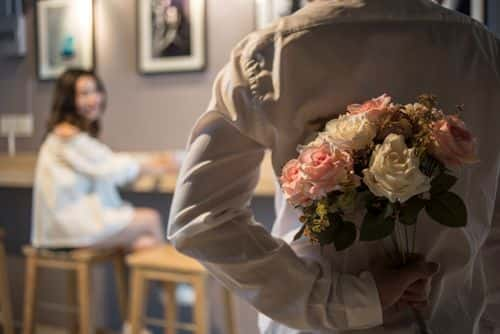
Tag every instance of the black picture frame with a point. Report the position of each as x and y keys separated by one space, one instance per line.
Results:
x=182 y=52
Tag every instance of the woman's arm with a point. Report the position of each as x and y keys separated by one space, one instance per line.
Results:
x=94 y=159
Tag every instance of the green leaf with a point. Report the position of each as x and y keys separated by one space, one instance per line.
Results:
x=430 y=166
x=300 y=233
x=376 y=227
x=442 y=183
x=344 y=236
x=379 y=205
x=410 y=210
x=364 y=198
x=447 y=209
x=327 y=236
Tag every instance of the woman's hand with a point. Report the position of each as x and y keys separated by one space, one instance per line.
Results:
x=157 y=165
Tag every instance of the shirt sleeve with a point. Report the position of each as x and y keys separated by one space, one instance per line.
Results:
x=94 y=159
x=211 y=221
x=490 y=321
x=490 y=254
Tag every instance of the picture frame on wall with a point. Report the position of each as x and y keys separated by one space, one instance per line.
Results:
x=267 y=11
x=171 y=36
x=64 y=36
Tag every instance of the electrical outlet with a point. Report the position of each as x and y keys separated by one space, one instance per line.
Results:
x=19 y=125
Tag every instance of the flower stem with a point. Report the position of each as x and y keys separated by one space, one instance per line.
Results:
x=414 y=239
x=401 y=243
x=407 y=241
x=396 y=246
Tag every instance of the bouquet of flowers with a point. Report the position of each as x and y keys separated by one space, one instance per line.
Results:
x=386 y=161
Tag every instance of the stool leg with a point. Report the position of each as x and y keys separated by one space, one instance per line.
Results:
x=137 y=301
x=229 y=310
x=72 y=299
x=200 y=307
x=5 y=295
x=85 y=317
x=121 y=284
x=170 y=308
x=30 y=295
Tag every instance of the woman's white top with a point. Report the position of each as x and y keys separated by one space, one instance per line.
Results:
x=75 y=198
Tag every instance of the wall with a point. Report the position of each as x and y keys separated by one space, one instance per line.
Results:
x=494 y=16
x=145 y=112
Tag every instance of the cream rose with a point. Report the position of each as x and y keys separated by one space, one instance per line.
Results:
x=351 y=132
x=394 y=171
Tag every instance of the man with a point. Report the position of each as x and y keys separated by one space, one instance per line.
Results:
x=279 y=87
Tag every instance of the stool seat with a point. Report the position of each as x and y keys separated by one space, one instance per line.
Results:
x=77 y=255
x=165 y=258
x=166 y=265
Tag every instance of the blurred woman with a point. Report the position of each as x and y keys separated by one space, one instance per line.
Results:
x=75 y=200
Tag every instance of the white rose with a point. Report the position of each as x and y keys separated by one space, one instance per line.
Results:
x=394 y=171
x=351 y=132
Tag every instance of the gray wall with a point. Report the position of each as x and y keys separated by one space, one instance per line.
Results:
x=145 y=112
x=494 y=16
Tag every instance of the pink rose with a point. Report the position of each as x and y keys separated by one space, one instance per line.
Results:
x=453 y=144
x=324 y=168
x=294 y=185
x=373 y=108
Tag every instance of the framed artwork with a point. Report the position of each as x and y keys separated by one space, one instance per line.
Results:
x=474 y=8
x=267 y=11
x=171 y=36
x=64 y=36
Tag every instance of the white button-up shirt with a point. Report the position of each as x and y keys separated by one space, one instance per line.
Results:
x=281 y=85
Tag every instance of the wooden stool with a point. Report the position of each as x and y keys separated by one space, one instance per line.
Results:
x=5 y=306
x=166 y=265
x=79 y=262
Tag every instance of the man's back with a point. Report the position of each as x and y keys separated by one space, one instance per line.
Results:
x=334 y=53
x=281 y=86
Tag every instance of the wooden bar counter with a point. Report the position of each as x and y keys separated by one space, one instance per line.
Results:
x=18 y=172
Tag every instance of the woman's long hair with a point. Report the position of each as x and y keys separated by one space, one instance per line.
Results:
x=64 y=102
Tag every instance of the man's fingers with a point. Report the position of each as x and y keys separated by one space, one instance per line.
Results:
x=400 y=305
x=416 y=258
x=419 y=271
x=419 y=305
x=420 y=286
x=414 y=297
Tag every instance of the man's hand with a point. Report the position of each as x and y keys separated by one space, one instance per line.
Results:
x=409 y=284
